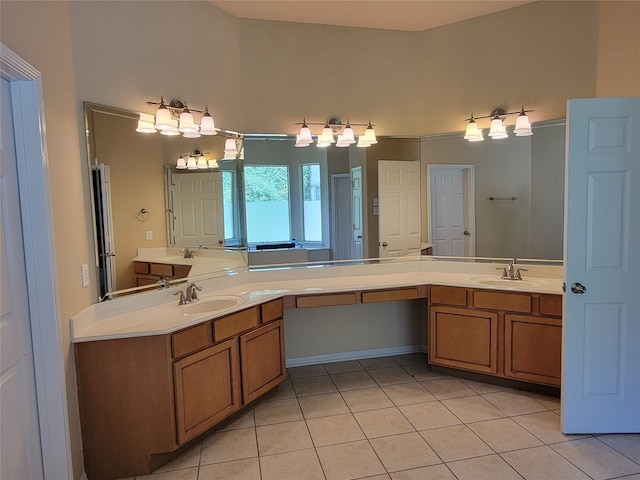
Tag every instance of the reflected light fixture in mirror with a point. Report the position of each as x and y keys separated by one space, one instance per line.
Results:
x=175 y=119
x=497 y=129
x=331 y=127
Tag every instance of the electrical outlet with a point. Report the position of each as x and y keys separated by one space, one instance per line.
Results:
x=148 y=235
x=85 y=275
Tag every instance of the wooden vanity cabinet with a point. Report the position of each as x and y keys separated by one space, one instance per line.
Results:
x=515 y=335
x=147 y=273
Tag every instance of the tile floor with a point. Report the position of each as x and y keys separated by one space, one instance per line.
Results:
x=391 y=418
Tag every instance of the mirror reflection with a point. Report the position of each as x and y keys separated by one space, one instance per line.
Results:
x=148 y=216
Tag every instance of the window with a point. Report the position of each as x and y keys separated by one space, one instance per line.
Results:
x=311 y=203
x=267 y=203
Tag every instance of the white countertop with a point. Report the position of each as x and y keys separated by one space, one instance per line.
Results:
x=158 y=312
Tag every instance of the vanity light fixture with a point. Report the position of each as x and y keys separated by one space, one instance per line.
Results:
x=175 y=119
x=195 y=160
x=497 y=129
x=330 y=128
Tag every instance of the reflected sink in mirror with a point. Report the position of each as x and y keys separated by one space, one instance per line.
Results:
x=506 y=283
x=211 y=305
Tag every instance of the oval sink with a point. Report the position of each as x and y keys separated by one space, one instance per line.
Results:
x=210 y=306
x=499 y=282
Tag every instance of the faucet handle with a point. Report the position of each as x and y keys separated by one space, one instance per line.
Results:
x=518 y=275
x=192 y=292
x=504 y=272
x=183 y=300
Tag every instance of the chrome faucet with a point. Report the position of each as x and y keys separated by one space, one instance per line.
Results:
x=187 y=253
x=192 y=292
x=511 y=272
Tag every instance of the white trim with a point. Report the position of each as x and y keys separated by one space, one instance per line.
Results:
x=359 y=354
x=37 y=226
x=334 y=214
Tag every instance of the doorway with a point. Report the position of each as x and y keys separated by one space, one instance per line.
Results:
x=341 y=224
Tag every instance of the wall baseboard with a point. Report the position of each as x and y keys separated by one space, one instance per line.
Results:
x=359 y=354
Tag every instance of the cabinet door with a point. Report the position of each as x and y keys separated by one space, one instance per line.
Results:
x=207 y=386
x=463 y=338
x=533 y=348
x=262 y=358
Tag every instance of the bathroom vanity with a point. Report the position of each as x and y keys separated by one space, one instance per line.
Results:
x=154 y=376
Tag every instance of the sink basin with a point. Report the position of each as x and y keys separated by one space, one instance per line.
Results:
x=499 y=282
x=210 y=305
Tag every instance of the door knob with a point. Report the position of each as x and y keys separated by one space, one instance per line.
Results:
x=359 y=236
x=578 y=288
x=384 y=244
x=466 y=233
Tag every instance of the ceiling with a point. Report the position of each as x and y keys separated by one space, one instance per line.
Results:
x=405 y=15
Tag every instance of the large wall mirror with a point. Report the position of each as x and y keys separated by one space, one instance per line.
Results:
x=142 y=203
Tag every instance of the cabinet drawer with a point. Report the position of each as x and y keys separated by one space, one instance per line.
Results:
x=390 y=295
x=326 y=300
x=141 y=267
x=161 y=269
x=551 y=305
x=236 y=323
x=448 y=295
x=512 y=302
x=191 y=340
x=271 y=311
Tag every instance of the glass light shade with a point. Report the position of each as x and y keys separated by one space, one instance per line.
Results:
x=192 y=164
x=326 y=136
x=163 y=118
x=497 y=130
x=478 y=138
x=202 y=163
x=363 y=142
x=305 y=135
x=191 y=133
x=523 y=126
x=207 y=126
x=212 y=163
x=370 y=136
x=302 y=142
x=181 y=164
x=472 y=130
x=170 y=130
x=230 y=146
x=145 y=124
x=348 y=136
x=320 y=144
x=186 y=122
x=341 y=142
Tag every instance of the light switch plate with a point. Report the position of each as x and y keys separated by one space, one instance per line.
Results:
x=85 y=275
x=148 y=235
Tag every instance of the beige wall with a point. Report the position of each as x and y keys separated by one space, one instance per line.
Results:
x=263 y=76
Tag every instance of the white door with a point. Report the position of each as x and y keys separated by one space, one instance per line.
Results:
x=399 y=208
x=20 y=438
x=341 y=224
x=104 y=231
x=450 y=216
x=197 y=209
x=601 y=331
x=357 y=250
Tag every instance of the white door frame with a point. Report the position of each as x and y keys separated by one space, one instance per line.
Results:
x=468 y=173
x=334 y=211
x=37 y=229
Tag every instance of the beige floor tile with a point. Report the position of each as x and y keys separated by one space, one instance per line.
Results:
x=277 y=411
x=455 y=443
x=343 y=367
x=335 y=429
x=306 y=371
x=595 y=458
x=347 y=461
x=552 y=403
x=183 y=474
x=626 y=444
x=391 y=376
x=417 y=358
x=490 y=466
x=292 y=466
x=190 y=458
x=366 y=399
x=378 y=362
x=504 y=435
x=313 y=385
x=472 y=409
x=482 y=388
x=378 y=477
x=408 y=393
x=434 y=472
x=247 y=469
x=545 y=426
x=422 y=372
x=402 y=452
x=424 y=416
x=386 y=421
x=542 y=463
x=353 y=381
x=513 y=402
x=283 y=390
x=244 y=421
x=444 y=388
x=283 y=437
x=230 y=445
x=323 y=405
